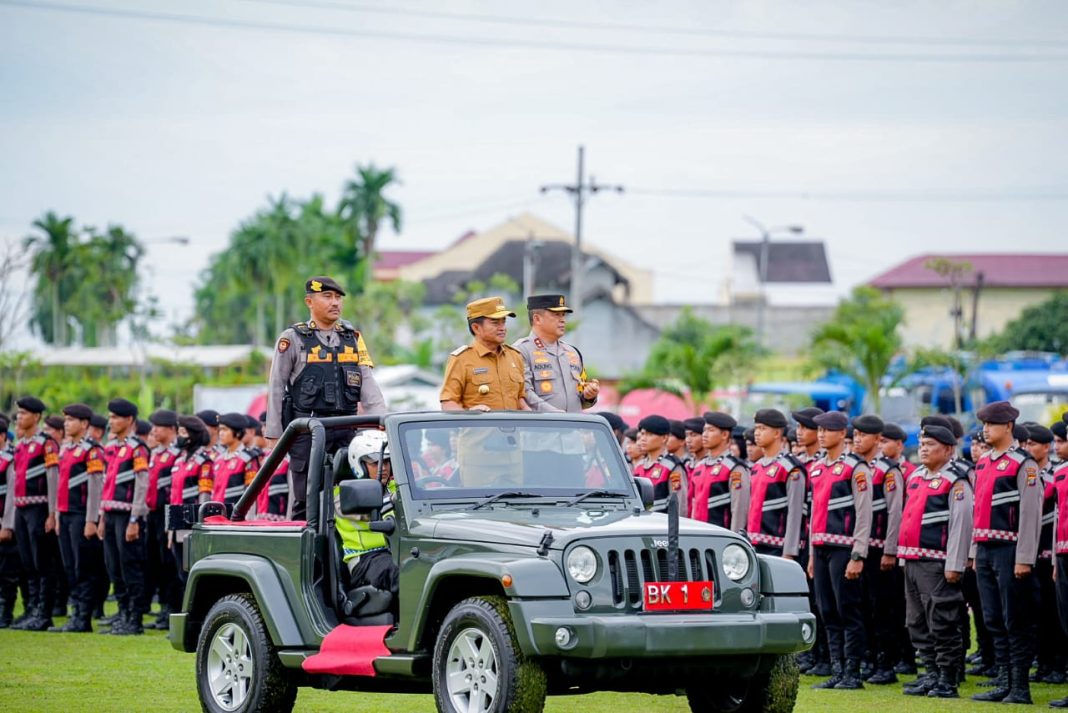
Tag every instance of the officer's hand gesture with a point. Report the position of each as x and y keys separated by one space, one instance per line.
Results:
x=90 y=530
x=6 y=535
x=479 y=407
x=593 y=387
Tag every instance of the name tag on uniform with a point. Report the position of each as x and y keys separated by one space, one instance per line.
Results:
x=481 y=370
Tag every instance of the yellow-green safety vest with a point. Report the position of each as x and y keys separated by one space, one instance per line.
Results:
x=356 y=536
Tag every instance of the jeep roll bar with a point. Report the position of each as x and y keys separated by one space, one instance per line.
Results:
x=316 y=456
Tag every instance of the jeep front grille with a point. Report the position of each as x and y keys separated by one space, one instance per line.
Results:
x=630 y=569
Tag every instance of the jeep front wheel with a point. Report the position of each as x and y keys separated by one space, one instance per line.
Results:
x=478 y=665
x=238 y=670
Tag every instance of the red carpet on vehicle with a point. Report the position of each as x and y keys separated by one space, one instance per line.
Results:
x=349 y=651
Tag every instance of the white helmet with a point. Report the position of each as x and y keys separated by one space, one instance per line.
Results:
x=365 y=446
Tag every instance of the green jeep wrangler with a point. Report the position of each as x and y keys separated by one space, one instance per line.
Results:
x=529 y=565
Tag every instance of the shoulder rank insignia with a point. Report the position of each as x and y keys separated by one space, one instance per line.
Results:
x=460 y=350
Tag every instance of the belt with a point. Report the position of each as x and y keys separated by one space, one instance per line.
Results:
x=116 y=505
x=27 y=500
x=914 y=553
x=830 y=538
x=759 y=538
x=980 y=535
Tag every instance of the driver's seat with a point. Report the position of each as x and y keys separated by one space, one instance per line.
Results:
x=360 y=606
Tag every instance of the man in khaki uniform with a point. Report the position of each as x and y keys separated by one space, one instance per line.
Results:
x=487 y=374
x=554 y=373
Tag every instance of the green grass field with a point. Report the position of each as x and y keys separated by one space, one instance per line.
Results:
x=90 y=672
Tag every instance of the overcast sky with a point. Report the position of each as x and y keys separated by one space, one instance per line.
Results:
x=886 y=129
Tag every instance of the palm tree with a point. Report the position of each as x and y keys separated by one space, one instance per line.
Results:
x=364 y=207
x=51 y=266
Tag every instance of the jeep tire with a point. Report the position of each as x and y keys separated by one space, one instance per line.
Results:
x=478 y=665
x=772 y=690
x=238 y=670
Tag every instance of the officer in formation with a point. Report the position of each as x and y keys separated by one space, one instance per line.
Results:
x=94 y=512
x=890 y=546
x=321 y=367
x=554 y=374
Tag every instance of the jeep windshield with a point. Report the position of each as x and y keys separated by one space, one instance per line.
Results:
x=562 y=459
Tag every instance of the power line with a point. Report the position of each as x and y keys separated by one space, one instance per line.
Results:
x=932 y=196
x=483 y=42
x=662 y=30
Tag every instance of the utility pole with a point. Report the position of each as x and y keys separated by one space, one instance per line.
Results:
x=579 y=191
x=530 y=263
x=762 y=266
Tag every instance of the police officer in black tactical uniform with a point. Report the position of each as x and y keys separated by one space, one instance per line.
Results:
x=320 y=368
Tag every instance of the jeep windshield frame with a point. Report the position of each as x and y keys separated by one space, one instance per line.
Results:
x=552 y=456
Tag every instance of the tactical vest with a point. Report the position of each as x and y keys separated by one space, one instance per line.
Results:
x=77 y=464
x=160 y=473
x=330 y=383
x=924 y=531
x=907 y=469
x=997 y=499
x=190 y=477
x=884 y=476
x=833 y=512
x=768 y=501
x=711 y=488
x=33 y=457
x=231 y=475
x=125 y=459
x=1049 y=515
x=273 y=499
x=1060 y=484
x=660 y=472
x=7 y=473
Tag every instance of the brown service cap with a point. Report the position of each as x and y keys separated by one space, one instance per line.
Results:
x=492 y=307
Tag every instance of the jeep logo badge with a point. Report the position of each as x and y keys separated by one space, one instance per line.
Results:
x=660 y=543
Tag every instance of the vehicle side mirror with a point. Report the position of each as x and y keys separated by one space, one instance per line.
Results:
x=645 y=491
x=360 y=497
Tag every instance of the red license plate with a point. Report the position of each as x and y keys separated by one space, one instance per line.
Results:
x=677 y=596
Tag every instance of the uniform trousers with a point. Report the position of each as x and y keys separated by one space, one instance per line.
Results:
x=883 y=592
x=299 y=454
x=1062 y=591
x=841 y=603
x=160 y=558
x=10 y=572
x=1052 y=643
x=970 y=589
x=82 y=560
x=1009 y=604
x=38 y=551
x=933 y=613
x=126 y=561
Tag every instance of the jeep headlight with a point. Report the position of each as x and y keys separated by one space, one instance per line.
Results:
x=735 y=562
x=582 y=564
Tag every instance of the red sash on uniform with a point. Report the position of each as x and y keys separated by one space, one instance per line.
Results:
x=997 y=498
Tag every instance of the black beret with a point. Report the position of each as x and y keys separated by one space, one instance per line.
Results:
x=553 y=303
x=937 y=421
x=1060 y=430
x=677 y=429
x=192 y=424
x=614 y=421
x=696 y=425
x=1020 y=432
x=868 y=423
x=164 y=417
x=657 y=425
x=939 y=433
x=750 y=435
x=98 y=420
x=956 y=426
x=122 y=407
x=234 y=421
x=849 y=432
x=894 y=432
x=630 y=433
x=210 y=417
x=142 y=427
x=1039 y=433
x=54 y=421
x=979 y=435
x=323 y=284
x=998 y=412
x=791 y=435
x=31 y=404
x=79 y=411
x=722 y=421
x=806 y=416
x=738 y=432
x=4 y=423
x=770 y=417
x=832 y=421
x=251 y=421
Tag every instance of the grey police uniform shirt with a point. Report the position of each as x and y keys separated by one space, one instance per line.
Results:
x=961 y=504
x=286 y=367
x=559 y=365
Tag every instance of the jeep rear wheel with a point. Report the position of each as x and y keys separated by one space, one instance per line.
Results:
x=238 y=670
x=772 y=690
x=478 y=666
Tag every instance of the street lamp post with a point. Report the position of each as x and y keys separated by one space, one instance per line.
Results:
x=762 y=265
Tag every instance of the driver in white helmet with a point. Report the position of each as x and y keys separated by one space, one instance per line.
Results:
x=366 y=553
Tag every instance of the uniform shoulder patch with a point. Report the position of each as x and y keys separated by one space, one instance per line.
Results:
x=283 y=345
x=959 y=489
x=861 y=479
x=460 y=350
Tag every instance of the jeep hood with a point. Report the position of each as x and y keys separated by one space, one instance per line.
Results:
x=519 y=526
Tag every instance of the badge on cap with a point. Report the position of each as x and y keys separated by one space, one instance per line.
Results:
x=316 y=286
x=561 y=300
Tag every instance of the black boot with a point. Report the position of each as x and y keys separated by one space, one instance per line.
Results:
x=947 y=684
x=883 y=673
x=805 y=661
x=163 y=619
x=834 y=680
x=1000 y=687
x=822 y=668
x=7 y=610
x=1020 y=686
x=115 y=621
x=1059 y=703
x=131 y=625
x=851 y=680
x=924 y=683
